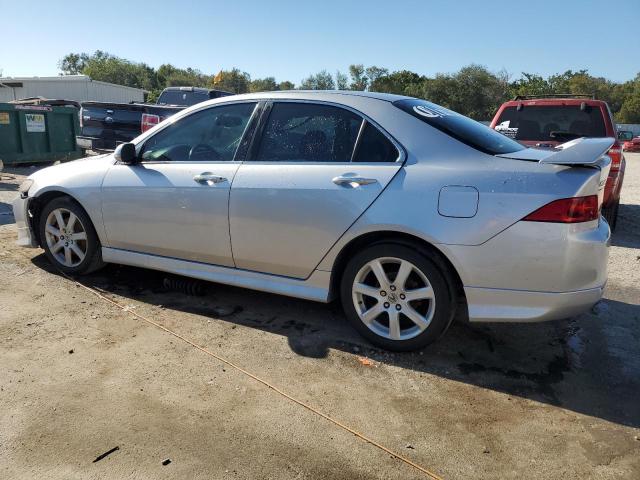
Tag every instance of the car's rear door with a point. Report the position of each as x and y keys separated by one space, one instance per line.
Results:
x=174 y=202
x=312 y=171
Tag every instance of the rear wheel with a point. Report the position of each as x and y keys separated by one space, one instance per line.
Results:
x=68 y=237
x=396 y=297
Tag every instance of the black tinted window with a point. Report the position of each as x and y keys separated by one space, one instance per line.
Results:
x=551 y=123
x=375 y=147
x=210 y=135
x=458 y=126
x=307 y=132
x=182 y=97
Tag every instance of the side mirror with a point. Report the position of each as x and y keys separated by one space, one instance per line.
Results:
x=126 y=153
x=625 y=135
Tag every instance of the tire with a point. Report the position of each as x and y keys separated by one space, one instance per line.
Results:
x=610 y=214
x=72 y=247
x=363 y=295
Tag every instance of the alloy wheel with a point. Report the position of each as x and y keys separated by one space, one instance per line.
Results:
x=393 y=298
x=66 y=237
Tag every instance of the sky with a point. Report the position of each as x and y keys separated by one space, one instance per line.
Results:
x=292 y=39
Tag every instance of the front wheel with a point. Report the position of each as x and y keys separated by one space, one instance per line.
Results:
x=396 y=297
x=67 y=235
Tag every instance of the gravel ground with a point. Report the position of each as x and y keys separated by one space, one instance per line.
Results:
x=80 y=377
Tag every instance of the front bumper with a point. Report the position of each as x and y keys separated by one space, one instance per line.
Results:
x=26 y=238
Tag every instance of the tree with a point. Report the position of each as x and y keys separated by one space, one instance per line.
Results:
x=232 y=81
x=73 y=63
x=342 y=81
x=359 y=80
x=105 y=67
x=630 y=109
x=530 y=84
x=263 y=85
x=374 y=73
x=320 y=81
x=397 y=82
x=170 y=76
x=473 y=91
x=286 y=85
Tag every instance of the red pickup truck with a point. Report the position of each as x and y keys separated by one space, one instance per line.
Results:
x=547 y=121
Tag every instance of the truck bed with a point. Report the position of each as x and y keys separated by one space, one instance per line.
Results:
x=105 y=125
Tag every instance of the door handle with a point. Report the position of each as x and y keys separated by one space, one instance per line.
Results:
x=353 y=181
x=208 y=178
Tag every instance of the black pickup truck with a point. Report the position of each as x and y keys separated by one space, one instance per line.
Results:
x=103 y=126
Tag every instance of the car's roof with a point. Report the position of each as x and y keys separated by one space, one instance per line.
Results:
x=315 y=94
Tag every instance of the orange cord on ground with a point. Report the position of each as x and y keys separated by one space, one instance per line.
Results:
x=258 y=379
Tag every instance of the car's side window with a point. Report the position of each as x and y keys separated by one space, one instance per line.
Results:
x=308 y=132
x=210 y=135
x=373 y=146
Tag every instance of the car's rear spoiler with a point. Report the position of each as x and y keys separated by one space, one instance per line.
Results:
x=581 y=151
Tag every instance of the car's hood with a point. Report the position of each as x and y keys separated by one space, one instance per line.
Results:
x=96 y=161
x=581 y=151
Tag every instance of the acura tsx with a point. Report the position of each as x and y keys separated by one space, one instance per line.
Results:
x=402 y=209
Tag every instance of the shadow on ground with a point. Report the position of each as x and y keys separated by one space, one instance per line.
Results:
x=6 y=214
x=628 y=225
x=563 y=363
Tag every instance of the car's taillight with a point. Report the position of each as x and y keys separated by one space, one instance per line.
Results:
x=149 y=121
x=567 y=210
x=615 y=153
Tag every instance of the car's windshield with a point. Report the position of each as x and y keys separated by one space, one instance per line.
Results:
x=558 y=123
x=458 y=126
x=182 y=97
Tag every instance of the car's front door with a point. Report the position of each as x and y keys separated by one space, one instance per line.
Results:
x=315 y=169
x=175 y=201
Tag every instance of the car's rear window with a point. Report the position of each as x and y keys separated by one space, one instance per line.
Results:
x=182 y=97
x=458 y=126
x=551 y=123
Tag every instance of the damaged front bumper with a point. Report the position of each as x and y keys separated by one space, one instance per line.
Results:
x=26 y=238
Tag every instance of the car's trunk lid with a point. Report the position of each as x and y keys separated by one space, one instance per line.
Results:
x=581 y=152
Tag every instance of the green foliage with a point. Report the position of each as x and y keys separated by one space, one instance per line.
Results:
x=232 y=81
x=73 y=64
x=473 y=90
x=170 y=76
x=374 y=73
x=105 y=67
x=267 y=84
x=286 y=85
x=359 y=79
x=401 y=82
x=342 y=81
x=320 y=81
x=630 y=105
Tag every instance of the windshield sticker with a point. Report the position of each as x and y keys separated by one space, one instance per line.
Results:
x=432 y=111
x=504 y=129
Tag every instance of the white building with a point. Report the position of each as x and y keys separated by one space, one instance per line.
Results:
x=68 y=87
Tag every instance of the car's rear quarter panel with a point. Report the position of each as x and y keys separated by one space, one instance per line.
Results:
x=493 y=248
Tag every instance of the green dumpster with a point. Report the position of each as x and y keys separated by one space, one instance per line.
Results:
x=38 y=133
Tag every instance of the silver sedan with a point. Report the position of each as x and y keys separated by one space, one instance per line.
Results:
x=402 y=209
